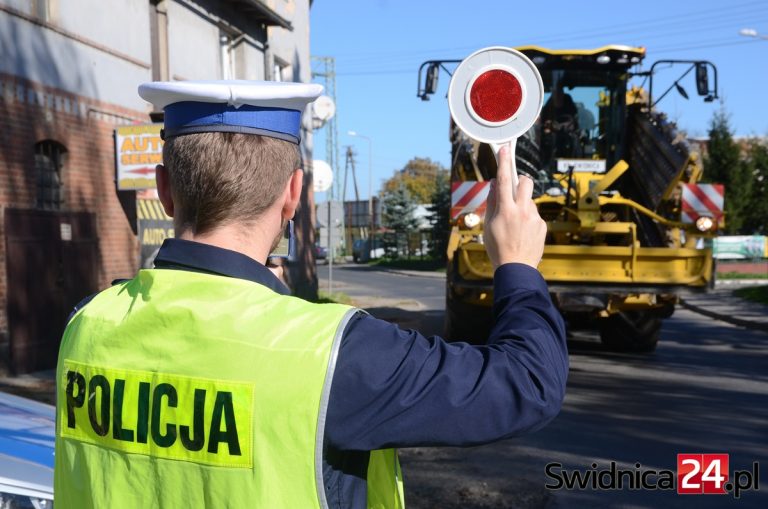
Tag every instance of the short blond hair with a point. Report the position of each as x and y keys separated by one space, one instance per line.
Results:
x=222 y=178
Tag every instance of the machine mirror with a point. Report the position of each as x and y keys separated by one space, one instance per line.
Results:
x=433 y=72
x=702 y=79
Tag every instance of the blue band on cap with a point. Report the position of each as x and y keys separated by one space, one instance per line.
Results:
x=195 y=117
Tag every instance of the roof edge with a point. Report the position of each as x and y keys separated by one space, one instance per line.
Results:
x=271 y=16
x=610 y=47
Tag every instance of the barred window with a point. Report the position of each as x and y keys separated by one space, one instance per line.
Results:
x=49 y=162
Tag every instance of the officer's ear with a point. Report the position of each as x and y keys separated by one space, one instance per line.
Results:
x=293 y=194
x=164 y=189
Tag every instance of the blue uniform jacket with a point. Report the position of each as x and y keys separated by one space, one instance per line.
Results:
x=398 y=388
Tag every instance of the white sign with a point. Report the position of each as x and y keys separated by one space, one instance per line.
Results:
x=581 y=165
x=66 y=231
x=322 y=176
x=333 y=218
x=740 y=247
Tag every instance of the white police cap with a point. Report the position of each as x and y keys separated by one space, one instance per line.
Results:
x=267 y=108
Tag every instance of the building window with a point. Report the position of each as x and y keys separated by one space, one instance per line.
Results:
x=281 y=70
x=49 y=163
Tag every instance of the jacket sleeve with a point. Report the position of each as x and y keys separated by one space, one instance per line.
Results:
x=398 y=388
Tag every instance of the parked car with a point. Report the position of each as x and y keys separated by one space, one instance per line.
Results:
x=362 y=252
x=27 y=436
x=321 y=253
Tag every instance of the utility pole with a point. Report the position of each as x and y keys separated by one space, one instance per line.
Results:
x=327 y=71
x=370 y=181
x=330 y=252
x=351 y=163
x=351 y=157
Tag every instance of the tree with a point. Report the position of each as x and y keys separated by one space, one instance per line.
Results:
x=756 y=215
x=418 y=176
x=398 y=215
x=439 y=218
x=421 y=181
x=724 y=165
x=398 y=209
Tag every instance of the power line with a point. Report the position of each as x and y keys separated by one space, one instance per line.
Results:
x=665 y=49
x=375 y=68
x=656 y=26
x=373 y=73
x=713 y=45
x=672 y=21
x=672 y=31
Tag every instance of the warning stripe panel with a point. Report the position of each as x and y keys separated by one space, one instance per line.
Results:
x=702 y=199
x=458 y=190
x=141 y=209
x=151 y=214
x=710 y=194
x=151 y=210
x=465 y=194
x=716 y=193
x=468 y=197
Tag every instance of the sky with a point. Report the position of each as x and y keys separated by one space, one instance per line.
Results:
x=378 y=46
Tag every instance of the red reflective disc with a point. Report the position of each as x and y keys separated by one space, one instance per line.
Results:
x=496 y=95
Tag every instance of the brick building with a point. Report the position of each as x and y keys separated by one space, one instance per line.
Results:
x=69 y=70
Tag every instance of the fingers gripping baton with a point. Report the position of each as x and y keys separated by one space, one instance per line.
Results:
x=511 y=144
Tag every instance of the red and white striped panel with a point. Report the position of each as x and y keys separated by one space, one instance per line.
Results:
x=702 y=200
x=468 y=197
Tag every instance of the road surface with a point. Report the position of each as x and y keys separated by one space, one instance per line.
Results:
x=704 y=390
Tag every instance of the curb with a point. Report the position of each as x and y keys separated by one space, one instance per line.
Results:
x=740 y=282
x=426 y=273
x=725 y=318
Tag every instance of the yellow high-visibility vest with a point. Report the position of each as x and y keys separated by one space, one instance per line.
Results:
x=183 y=389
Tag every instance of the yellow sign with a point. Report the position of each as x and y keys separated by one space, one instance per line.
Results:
x=160 y=415
x=139 y=149
x=151 y=209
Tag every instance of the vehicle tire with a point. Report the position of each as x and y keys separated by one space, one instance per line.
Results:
x=355 y=259
x=631 y=331
x=527 y=155
x=466 y=322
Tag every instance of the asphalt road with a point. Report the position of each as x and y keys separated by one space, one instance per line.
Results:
x=704 y=390
x=363 y=280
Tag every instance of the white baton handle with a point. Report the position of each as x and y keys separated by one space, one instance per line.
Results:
x=511 y=144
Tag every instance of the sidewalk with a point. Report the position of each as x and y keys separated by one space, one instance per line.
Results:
x=40 y=385
x=721 y=304
x=414 y=273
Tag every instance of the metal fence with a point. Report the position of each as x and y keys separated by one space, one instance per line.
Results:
x=407 y=245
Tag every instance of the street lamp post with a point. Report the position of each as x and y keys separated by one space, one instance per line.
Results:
x=370 y=184
x=751 y=32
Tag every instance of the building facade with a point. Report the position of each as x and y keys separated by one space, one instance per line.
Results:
x=69 y=72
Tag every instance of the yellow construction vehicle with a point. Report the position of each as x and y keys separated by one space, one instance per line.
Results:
x=610 y=175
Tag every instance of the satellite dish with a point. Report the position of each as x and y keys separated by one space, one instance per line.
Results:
x=322 y=176
x=323 y=109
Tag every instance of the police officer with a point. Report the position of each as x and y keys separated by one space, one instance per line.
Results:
x=203 y=383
